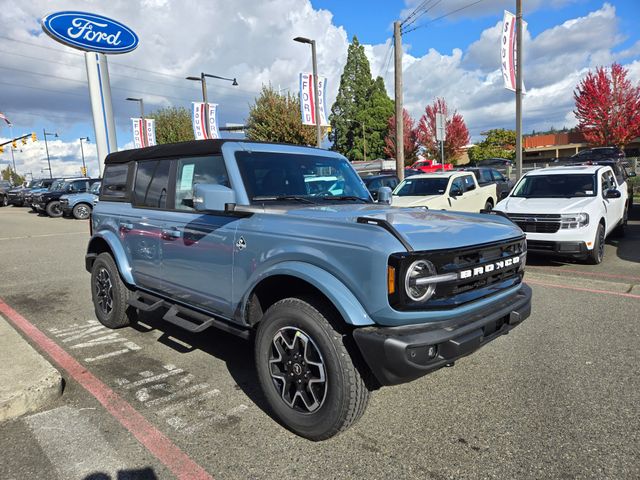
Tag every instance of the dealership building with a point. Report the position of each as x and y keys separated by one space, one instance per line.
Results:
x=543 y=148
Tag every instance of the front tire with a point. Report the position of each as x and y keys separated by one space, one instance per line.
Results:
x=81 y=211
x=305 y=370
x=109 y=293
x=4 y=201
x=53 y=209
x=597 y=254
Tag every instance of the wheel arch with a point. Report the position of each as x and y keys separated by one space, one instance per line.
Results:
x=298 y=279
x=108 y=242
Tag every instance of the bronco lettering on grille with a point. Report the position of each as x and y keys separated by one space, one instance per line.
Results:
x=490 y=267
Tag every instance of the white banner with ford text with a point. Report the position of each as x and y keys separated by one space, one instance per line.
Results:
x=307 y=100
x=144 y=132
x=200 y=114
x=508 y=54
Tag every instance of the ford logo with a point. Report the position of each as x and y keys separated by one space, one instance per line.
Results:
x=89 y=32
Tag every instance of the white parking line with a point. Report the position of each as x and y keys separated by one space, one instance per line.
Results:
x=43 y=235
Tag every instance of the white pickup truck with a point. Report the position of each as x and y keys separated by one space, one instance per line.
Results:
x=568 y=210
x=454 y=190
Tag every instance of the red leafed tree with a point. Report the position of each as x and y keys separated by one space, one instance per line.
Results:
x=408 y=133
x=456 y=132
x=608 y=107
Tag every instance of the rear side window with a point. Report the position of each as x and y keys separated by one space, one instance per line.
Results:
x=497 y=176
x=202 y=170
x=114 y=183
x=151 y=184
x=390 y=182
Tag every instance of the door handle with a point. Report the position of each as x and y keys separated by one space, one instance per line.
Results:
x=126 y=227
x=171 y=234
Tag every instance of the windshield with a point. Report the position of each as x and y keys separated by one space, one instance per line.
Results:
x=415 y=187
x=57 y=185
x=556 y=186
x=296 y=177
x=95 y=188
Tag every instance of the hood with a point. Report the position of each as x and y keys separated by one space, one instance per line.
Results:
x=423 y=229
x=411 y=201
x=544 y=205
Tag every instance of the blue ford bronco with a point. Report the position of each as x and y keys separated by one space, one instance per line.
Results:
x=284 y=245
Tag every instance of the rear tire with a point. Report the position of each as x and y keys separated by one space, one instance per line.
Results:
x=110 y=294
x=4 y=201
x=81 y=211
x=488 y=206
x=53 y=209
x=597 y=254
x=305 y=370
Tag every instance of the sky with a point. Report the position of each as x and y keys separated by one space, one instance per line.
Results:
x=451 y=51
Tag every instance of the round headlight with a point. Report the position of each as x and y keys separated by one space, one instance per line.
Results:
x=418 y=291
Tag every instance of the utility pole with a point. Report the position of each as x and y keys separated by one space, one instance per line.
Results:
x=397 y=50
x=518 y=89
x=13 y=159
x=364 y=143
x=46 y=146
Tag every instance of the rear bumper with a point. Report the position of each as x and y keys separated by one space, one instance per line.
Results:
x=401 y=354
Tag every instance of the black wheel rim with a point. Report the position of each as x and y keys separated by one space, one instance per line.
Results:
x=600 y=243
x=297 y=370
x=82 y=211
x=55 y=209
x=104 y=291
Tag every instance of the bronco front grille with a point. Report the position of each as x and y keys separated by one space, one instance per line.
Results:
x=463 y=290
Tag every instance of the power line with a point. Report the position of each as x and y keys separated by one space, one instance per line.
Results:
x=421 y=14
x=443 y=16
x=415 y=11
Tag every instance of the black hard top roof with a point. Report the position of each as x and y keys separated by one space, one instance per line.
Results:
x=173 y=150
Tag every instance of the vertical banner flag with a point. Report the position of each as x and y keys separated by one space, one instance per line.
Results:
x=307 y=100
x=200 y=117
x=4 y=117
x=144 y=132
x=508 y=57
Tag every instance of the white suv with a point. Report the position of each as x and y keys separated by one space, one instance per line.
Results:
x=568 y=210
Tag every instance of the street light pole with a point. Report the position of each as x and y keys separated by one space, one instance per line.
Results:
x=316 y=95
x=13 y=159
x=46 y=146
x=84 y=167
x=205 y=99
x=141 y=102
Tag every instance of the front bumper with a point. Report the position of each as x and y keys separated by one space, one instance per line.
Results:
x=558 y=248
x=402 y=354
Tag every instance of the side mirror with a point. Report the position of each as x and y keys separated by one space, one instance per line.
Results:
x=212 y=197
x=384 y=195
x=613 y=193
x=632 y=173
x=455 y=191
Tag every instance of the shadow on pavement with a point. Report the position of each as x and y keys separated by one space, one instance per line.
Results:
x=234 y=351
x=138 y=474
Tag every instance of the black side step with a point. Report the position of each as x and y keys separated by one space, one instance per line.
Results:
x=195 y=322
x=145 y=302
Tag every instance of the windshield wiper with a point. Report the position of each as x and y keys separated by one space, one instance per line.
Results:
x=297 y=198
x=345 y=198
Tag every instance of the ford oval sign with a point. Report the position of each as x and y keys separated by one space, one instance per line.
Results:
x=89 y=32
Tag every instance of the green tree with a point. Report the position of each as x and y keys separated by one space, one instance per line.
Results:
x=276 y=118
x=13 y=177
x=173 y=124
x=375 y=115
x=499 y=143
x=347 y=113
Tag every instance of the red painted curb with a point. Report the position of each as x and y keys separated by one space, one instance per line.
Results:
x=148 y=435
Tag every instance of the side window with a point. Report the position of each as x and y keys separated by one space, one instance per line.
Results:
x=79 y=186
x=391 y=182
x=607 y=182
x=617 y=169
x=497 y=176
x=114 y=183
x=192 y=170
x=485 y=176
x=151 y=185
x=457 y=184
x=374 y=185
x=469 y=184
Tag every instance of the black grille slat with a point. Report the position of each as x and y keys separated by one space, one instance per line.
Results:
x=536 y=222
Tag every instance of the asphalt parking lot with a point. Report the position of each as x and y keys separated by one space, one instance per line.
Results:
x=559 y=397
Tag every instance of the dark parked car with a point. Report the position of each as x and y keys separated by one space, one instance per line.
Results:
x=49 y=202
x=495 y=163
x=375 y=182
x=5 y=186
x=487 y=176
x=39 y=186
x=598 y=153
x=412 y=171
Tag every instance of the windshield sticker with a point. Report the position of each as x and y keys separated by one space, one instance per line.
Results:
x=589 y=192
x=187 y=177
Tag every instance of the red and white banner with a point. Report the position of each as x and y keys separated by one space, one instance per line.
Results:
x=144 y=132
x=508 y=57
x=4 y=117
x=307 y=100
x=200 y=116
